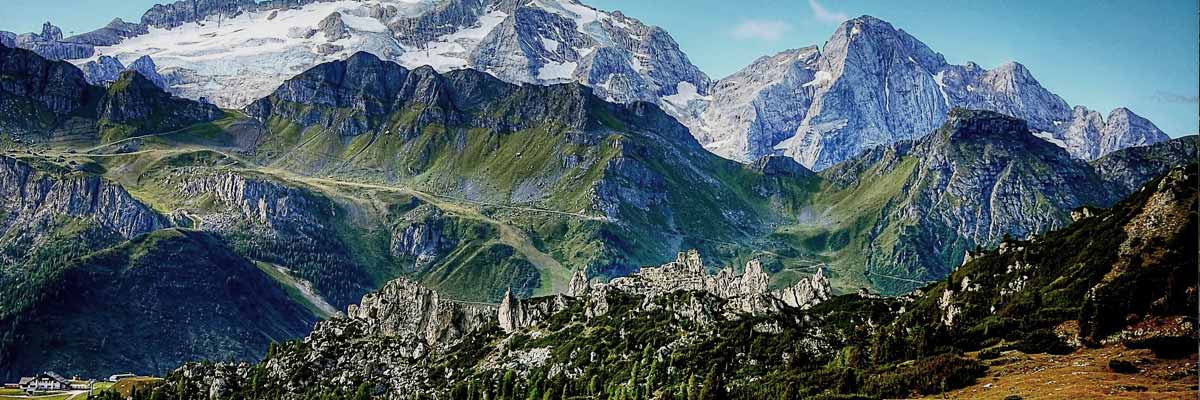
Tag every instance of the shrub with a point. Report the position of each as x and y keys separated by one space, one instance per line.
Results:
x=1122 y=366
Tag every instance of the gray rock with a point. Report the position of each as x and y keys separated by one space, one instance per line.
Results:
x=33 y=199
x=111 y=34
x=407 y=309
x=333 y=27
x=50 y=44
x=103 y=70
x=144 y=65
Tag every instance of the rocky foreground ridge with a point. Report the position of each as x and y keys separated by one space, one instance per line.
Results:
x=393 y=333
x=1122 y=277
x=403 y=308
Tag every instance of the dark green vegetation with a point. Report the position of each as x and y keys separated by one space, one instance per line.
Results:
x=1136 y=261
x=147 y=304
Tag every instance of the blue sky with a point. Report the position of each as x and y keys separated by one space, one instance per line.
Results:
x=1098 y=53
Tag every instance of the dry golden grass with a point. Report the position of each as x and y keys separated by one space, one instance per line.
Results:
x=1084 y=374
x=126 y=386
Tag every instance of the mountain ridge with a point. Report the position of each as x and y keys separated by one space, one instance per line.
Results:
x=813 y=113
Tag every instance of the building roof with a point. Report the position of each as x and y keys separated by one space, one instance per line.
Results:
x=25 y=380
x=56 y=377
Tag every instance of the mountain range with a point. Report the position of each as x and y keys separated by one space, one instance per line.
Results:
x=229 y=197
x=870 y=83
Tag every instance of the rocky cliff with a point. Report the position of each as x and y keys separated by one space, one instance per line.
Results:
x=49 y=43
x=34 y=199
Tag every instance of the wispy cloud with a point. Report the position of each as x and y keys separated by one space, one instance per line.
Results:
x=826 y=15
x=1168 y=97
x=761 y=29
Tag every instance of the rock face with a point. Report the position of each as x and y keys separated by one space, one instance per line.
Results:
x=145 y=67
x=103 y=71
x=746 y=293
x=515 y=314
x=261 y=201
x=405 y=308
x=33 y=199
x=49 y=44
x=424 y=237
x=873 y=84
x=113 y=33
x=807 y=292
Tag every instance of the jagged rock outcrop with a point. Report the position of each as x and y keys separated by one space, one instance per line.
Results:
x=103 y=71
x=873 y=84
x=807 y=292
x=515 y=314
x=407 y=309
x=579 y=285
x=49 y=43
x=33 y=199
x=172 y=15
x=261 y=201
x=144 y=66
x=745 y=293
x=333 y=27
x=422 y=236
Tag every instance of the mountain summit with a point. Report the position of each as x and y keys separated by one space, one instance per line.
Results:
x=874 y=84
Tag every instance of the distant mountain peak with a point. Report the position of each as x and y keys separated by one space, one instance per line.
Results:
x=874 y=84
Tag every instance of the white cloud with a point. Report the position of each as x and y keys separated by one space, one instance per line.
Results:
x=761 y=29
x=825 y=15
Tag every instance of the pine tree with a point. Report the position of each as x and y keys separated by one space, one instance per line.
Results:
x=713 y=387
x=363 y=392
